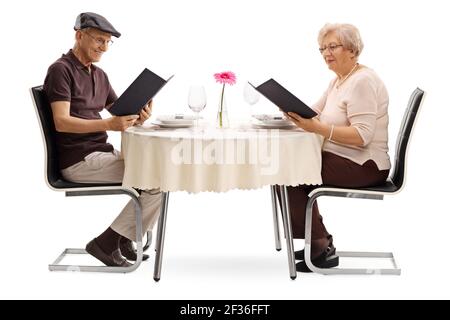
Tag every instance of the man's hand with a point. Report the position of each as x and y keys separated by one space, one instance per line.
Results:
x=145 y=113
x=121 y=123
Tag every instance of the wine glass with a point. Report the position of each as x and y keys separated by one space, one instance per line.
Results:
x=197 y=100
x=251 y=96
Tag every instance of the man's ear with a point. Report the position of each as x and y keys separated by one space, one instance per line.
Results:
x=78 y=35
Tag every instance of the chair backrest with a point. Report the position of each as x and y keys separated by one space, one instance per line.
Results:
x=397 y=175
x=45 y=117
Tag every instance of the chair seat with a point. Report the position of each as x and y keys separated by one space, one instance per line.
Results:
x=64 y=184
x=386 y=187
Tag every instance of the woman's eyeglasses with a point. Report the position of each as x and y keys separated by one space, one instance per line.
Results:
x=330 y=47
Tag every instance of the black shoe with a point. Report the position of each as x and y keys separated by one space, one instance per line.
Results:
x=114 y=259
x=326 y=259
x=127 y=250
x=300 y=255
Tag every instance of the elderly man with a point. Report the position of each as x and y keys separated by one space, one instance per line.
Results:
x=77 y=91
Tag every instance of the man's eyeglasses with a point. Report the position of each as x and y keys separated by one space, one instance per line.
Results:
x=99 y=41
x=331 y=47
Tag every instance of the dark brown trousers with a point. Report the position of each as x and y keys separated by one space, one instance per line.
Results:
x=336 y=171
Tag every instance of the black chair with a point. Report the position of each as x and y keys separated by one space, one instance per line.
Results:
x=56 y=182
x=393 y=185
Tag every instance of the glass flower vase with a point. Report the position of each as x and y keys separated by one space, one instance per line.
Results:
x=222 y=114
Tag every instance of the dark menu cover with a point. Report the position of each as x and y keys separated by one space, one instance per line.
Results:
x=285 y=100
x=138 y=94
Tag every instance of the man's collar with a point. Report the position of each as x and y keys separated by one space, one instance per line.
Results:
x=77 y=63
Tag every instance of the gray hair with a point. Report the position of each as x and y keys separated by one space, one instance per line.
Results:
x=348 y=34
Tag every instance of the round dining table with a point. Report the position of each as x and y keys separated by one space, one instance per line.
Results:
x=199 y=159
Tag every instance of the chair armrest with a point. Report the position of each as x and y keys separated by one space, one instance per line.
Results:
x=346 y=193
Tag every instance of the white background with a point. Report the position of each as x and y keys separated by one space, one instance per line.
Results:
x=220 y=246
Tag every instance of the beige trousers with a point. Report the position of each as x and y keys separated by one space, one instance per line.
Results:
x=99 y=167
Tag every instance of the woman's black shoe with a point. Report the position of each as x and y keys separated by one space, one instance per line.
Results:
x=326 y=259
x=300 y=254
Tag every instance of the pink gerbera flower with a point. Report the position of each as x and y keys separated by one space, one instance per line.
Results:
x=226 y=77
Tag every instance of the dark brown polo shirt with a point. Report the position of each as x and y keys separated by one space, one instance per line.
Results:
x=88 y=93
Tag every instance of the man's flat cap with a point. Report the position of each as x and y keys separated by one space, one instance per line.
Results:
x=93 y=20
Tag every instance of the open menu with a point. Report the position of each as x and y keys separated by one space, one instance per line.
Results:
x=138 y=94
x=284 y=99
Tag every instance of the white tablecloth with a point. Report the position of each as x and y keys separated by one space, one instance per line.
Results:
x=219 y=160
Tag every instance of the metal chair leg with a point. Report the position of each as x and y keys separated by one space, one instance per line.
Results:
x=352 y=254
x=275 y=218
x=55 y=266
x=148 y=243
x=160 y=236
x=288 y=231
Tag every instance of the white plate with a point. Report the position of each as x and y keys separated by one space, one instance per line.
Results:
x=269 y=119
x=285 y=125
x=177 y=119
x=173 y=125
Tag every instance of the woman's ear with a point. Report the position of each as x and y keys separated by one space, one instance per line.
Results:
x=353 y=52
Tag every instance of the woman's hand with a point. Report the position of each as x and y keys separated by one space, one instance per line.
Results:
x=310 y=125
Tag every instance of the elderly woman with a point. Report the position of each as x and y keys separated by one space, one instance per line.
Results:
x=353 y=119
